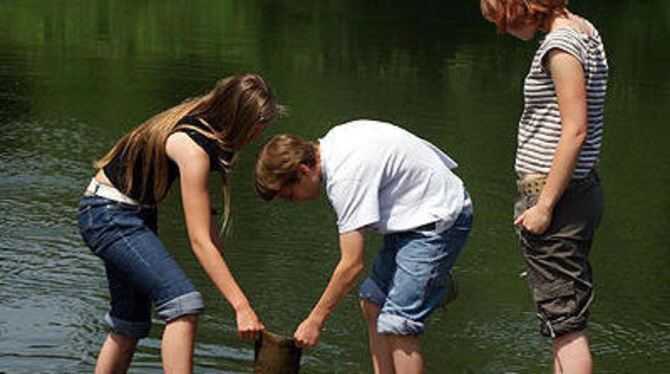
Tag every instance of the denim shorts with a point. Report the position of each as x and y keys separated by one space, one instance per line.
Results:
x=409 y=276
x=557 y=261
x=139 y=268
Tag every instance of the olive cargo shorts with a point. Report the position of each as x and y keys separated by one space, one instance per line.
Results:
x=557 y=261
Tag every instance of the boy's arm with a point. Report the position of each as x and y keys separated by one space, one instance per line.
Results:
x=345 y=275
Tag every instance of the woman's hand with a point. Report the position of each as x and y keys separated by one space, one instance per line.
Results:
x=248 y=324
x=535 y=219
x=307 y=334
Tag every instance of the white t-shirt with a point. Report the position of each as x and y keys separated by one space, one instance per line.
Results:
x=382 y=177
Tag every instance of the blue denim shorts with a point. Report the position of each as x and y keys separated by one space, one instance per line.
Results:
x=408 y=277
x=139 y=268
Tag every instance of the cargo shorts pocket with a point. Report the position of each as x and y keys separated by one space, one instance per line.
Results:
x=556 y=302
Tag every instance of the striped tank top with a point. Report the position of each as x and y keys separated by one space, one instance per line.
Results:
x=540 y=124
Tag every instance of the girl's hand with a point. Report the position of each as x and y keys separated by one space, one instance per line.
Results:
x=248 y=324
x=307 y=334
x=535 y=220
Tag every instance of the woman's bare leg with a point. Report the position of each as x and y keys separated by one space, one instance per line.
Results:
x=177 y=345
x=572 y=354
x=115 y=355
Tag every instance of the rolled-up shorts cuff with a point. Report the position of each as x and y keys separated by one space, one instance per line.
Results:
x=397 y=325
x=130 y=329
x=190 y=303
x=369 y=291
x=565 y=327
x=388 y=323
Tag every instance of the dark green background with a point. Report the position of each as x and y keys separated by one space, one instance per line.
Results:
x=75 y=75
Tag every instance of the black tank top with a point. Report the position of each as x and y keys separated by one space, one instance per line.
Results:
x=219 y=160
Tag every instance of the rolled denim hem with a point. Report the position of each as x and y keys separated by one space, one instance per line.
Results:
x=131 y=329
x=190 y=303
x=371 y=292
x=397 y=325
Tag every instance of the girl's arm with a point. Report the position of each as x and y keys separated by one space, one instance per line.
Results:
x=568 y=76
x=193 y=164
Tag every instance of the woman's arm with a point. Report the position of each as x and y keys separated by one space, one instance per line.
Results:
x=193 y=164
x=568 y=76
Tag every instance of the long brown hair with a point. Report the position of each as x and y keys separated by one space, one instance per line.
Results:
x=230 y=110
x=508 y=14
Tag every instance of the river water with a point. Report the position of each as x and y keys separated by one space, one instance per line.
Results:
x=74 y=76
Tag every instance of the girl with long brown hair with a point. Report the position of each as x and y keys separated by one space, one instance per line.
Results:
x=559 y=140
x=117 y=218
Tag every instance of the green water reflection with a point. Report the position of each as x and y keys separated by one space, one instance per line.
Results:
x=75 y=75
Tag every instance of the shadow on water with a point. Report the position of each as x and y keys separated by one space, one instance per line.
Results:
x=74 y=76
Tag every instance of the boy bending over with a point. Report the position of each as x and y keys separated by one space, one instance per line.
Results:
x=381 y=177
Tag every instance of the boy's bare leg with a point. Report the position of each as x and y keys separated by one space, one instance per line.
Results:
x=177 y=345
x=572 y=354
x=382 y=360
x=116 y=353
x=406 y=352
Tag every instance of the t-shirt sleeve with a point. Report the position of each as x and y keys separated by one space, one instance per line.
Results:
x=566 y=41
x=356 y=203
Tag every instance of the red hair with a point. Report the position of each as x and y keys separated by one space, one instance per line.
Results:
x=508 y=14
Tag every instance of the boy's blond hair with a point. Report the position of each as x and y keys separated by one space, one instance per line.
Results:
x=277 y=163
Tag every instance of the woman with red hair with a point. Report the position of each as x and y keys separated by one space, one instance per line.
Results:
x=559 y=139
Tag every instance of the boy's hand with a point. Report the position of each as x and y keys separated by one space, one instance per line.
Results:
x=248 y=324
x=307 y=334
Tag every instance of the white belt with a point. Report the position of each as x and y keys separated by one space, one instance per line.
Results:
x=109 y=192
